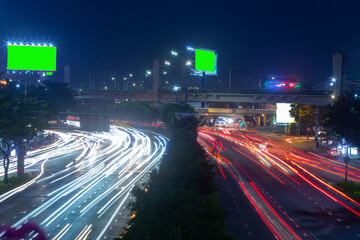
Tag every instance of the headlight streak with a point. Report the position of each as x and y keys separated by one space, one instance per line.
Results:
x=131 y=184
x=113 y=216
x=130 y=155
x=62 y=232
x=284 y=157
x=272 y=219
x=12 y=192
x=84 y=233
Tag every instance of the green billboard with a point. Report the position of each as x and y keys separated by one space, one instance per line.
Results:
x=34 y=58
x=205 y=60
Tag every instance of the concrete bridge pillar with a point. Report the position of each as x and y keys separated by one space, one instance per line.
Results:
x=258 y=122
x=92 y=122
x=338 y=72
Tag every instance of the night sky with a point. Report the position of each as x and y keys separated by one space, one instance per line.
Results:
x=280 y=37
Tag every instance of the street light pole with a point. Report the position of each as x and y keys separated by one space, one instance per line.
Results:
x=346 y=160
x=186 y=91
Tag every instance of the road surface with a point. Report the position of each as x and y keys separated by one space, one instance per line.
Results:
x=83 y=184
x=290 y=190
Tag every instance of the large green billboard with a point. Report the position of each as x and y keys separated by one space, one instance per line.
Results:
x=34 y=58
x=205 y=60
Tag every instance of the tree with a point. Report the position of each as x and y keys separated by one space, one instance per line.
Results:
x=180 y=201
x=305 y=115
x=167 y=112
x=19 y=121
x=136 y=112
x=343 y=118
x=58 y=95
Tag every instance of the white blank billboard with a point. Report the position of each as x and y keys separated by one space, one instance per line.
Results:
x=283 y=113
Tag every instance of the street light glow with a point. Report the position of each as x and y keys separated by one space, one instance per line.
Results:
x=332 y=96
x=188 y=63
x=190 y=49
x=130 y=75
x=167 y=63
x=333 y=79
x=164 y=73
x=112 y=78
x=148 y=72
x=174 y=53
x=176 y=88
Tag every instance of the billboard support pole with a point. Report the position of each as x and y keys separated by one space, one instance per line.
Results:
x=203 y=82
x=203 y=104
x=27 y=74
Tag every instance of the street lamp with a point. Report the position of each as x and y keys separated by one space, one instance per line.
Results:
x=167 y=63
x=188 y=63
x=176 y=89
x=174 y=53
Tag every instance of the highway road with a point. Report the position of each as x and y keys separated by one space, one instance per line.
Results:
x=290 y=190
x=83 y=183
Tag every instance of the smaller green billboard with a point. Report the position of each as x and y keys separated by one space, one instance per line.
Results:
x=205 y=60
x=34 y=58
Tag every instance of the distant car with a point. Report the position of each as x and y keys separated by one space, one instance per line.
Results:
x=333 y=152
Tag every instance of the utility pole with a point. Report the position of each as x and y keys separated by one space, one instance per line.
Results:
x=299 y=120
x=203 y=82
x=230 y=80
x=307 y=128
x=346 y=160
x=186 y=91
x=317 y=125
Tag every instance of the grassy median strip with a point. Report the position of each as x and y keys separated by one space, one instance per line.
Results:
x=180 y=200
x=350 y=188
x=13 y=181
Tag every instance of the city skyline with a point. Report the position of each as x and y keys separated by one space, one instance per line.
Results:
x=122 y=38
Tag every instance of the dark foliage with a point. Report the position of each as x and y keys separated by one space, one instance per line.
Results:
x=181 y=202
x=343 y=118
x=350 y=188
x=139 y=112
x=20 y=119
x=167 y=112
x=59 y=96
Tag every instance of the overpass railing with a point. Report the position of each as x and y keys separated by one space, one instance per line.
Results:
x=235 y=91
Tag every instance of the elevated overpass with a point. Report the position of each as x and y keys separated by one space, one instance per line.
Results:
x=260 y=115
x=160 y=97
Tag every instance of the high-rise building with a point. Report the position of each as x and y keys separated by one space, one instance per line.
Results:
x=67 y=74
